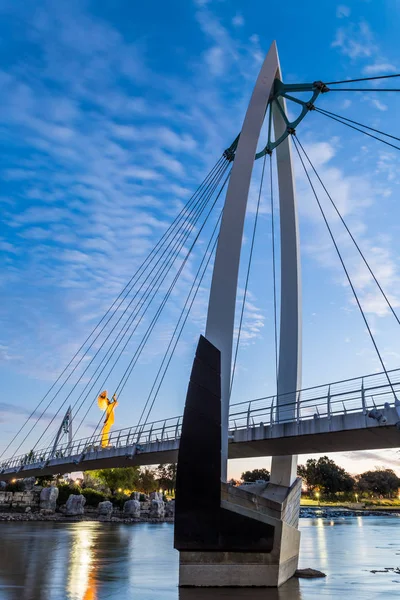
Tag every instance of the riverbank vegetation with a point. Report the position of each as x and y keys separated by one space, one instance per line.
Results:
x=325 y=482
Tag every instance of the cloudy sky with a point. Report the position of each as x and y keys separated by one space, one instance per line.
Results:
x=111 y=115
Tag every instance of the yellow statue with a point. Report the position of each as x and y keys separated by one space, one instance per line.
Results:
x=108 y=405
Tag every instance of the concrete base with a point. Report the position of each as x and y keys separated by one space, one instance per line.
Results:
x=233 y=569
x=269 y=504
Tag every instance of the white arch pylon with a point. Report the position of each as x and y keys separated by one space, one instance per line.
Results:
x=222 y=302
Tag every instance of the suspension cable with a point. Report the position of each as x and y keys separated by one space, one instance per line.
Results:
x=217 y=173
x=180 y=331
x=178 y=246
x=350 y=234
x=199 y=276
x=153 y=252
x=247 y=275
x=327 y=112
x=183 y=264
x=150 y=328
x=356 y=128
x=274 y=271
x=363 y=79
x=345 y=269
x=364 y=90
x=159 y=280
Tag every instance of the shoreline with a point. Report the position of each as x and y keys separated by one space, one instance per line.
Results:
x=306 y=512
x=58 y=517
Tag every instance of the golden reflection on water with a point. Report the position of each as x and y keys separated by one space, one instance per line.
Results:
x=81 y=583
x=321 y=541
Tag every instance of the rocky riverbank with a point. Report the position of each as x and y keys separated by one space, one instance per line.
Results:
x=42 y=504
x=62 y=518
x=336 y=513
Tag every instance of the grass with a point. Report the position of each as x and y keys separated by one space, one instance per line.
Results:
x=367 y=502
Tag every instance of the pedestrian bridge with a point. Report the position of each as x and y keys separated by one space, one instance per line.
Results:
x=356 y=414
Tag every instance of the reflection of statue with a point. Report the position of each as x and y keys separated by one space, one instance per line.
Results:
x=108 y=405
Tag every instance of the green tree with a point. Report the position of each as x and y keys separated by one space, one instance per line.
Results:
x=252 y=476
x=166 y=477
x=326 y=475
x=383 y=482
x=119 y=478
x=147 y=481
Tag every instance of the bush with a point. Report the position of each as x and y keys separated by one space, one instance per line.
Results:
x=64 y=492
x=93 y=497
x=15 y=486
x=119 y=499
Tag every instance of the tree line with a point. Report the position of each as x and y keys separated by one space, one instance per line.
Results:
x=327 y=478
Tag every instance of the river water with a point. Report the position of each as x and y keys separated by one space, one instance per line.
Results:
x=99 y=561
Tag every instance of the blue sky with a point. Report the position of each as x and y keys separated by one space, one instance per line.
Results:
x=113 y=112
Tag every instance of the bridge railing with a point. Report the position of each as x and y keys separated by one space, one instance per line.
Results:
x=349 y=396
x=339 y=398
x=157 y=431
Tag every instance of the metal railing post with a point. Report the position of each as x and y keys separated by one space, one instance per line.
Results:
x=328 y=402
x=248 y=416
x=364 y=406
x=298 y=408
x=177 y=428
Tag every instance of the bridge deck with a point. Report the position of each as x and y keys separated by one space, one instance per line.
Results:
x=345 y=432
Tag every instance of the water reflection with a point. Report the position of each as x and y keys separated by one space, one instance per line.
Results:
x=81 y=572
x=100 y=561
x=288 y=591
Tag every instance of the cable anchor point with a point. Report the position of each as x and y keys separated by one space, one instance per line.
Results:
x=291 y=131
x=321 y=86
x=229 y=154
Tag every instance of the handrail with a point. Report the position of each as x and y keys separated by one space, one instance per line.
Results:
x=328 y=403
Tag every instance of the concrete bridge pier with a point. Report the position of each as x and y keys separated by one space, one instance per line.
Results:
x=227 y=536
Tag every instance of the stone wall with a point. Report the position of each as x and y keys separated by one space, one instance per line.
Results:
x=19 y=500
x=29 y=501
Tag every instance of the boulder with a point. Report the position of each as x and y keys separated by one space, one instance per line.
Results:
x=48 y=498
x=170 y=509
x=28 y=484
x=157 y=509
x=75 y=505
x=105 y=509
x=309 y=573
x=132 y=508
x=156 y=496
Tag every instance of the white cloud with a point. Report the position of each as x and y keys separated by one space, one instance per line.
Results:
x=378 y=104
x=346 y=104
x=342 y=11
x=215 y=60
x=379 y=68
x=238 y=20
x=355 y=40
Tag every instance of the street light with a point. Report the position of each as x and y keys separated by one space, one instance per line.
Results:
x=317 y=496
x=356 y=498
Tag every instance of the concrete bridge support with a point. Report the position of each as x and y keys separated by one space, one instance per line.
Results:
x=222 y=304
x=226 y=536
